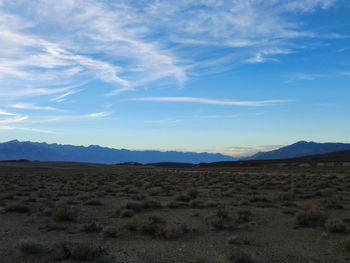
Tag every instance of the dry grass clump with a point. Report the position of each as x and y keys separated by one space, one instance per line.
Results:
x=133 y=224
x=17 y=208
x=346 y=243
x=109 y=232
x=286 y=195
x=196 y=203
x=211 y=203
x=29 y=247
x=154 y=191
x=125 y=213
x=153 y=226
x=238 y=240
x=200 y=259
x=94 y=202
x=171 y=231
x=244 y=216
x=151 y=203
x=240 y=257
x=310 y=216
x=219 y=220
x=138 y=206
x=335 y=225
x=92 y=227
x=64 y=212
x=76 y=250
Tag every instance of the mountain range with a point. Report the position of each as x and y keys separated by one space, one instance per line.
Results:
x=300 y=149
x=15 y=150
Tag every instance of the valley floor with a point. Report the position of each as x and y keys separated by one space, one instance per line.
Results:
x=64 y=212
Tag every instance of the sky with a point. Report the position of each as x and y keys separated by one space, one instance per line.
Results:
x=228 y=76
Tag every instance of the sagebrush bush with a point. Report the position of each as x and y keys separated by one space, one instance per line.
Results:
x=17 y=208
x=310 y=216
x=240 y=257
x=335 y=225
x=346 y=243
x=76 y=250
x=109 y=232
x=64 y=212
x=29 y=247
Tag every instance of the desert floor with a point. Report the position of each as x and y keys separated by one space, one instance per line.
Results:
x=68 y=212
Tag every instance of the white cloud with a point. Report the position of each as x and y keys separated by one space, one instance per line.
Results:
x=129 y=44
x=7 y=113
x=304 y=76
x=28 y=129
x=14 y=120
x=27 y=106
x=212 y=101
x=98 y=114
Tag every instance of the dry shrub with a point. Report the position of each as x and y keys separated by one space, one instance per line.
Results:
x=92 y=227
x=133 y=205
x=109 y=232
x=211 y=203
x=171 y=231
x=200 y=259
x=151 y=203
x=191 y=192
x=183 y=198
x=17 y=208
x=64 y=212
x=153 y=191
x=76 y=250
x=240 y=257
x=244 y=216
x=126 y=213
x=133 y=224
x=196 y=203
x=220 y=220
x=310 y=216
x=286 y=195
x=174 y=204
x=335 y=225
x=29 y=247
x=238 y=240
x=346 y=243
x=94 y=202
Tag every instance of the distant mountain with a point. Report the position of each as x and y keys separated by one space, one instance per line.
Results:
x=300 y=149
x=15 y=150
x=340 y=158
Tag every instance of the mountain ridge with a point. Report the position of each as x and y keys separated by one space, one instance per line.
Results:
x=300 y=149
x=41 y=151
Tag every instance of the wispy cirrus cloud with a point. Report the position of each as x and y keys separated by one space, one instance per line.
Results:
x=304 y=76
x=212 y=101
x=28 y=129
x=130 y=44
x=57 y=118
x=7 y=113
x=28 y=106
x=14 y=120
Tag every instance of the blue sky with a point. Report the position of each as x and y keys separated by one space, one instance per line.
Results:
x=234 y=77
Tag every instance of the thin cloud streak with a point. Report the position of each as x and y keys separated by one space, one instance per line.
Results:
x=212 y=101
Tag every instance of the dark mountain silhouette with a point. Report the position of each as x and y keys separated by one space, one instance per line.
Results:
x=300 y=149
x=338 y=158
x=15 y=150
